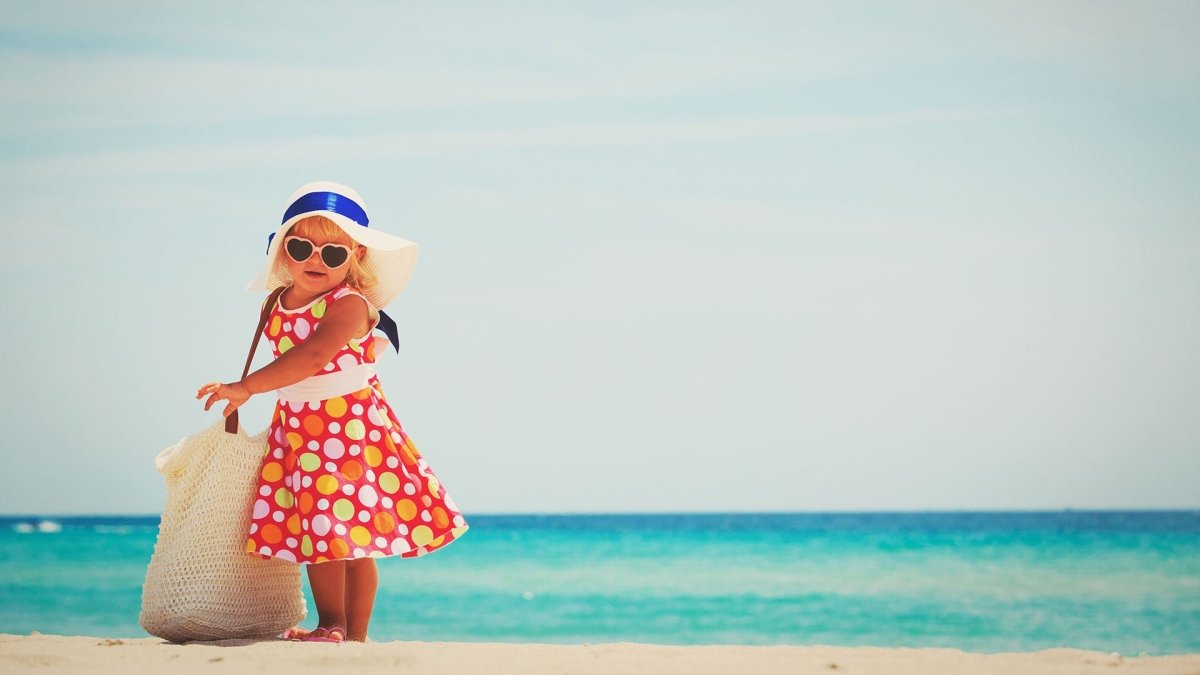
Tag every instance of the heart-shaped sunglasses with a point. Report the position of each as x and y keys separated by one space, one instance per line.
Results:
x=301 y=249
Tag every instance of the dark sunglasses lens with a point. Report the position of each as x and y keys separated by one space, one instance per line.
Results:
x=298 y=249
x=334 y=256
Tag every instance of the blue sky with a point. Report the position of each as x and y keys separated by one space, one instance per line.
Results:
x=675 y=256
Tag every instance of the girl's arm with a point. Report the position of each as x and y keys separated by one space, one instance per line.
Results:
x=345 y=319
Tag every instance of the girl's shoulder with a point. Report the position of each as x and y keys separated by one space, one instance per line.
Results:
x=346 y=290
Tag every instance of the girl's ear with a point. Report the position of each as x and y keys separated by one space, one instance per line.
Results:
x=360 y=252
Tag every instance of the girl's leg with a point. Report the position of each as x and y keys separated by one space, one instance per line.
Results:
x=362 y=580
x=328 y=582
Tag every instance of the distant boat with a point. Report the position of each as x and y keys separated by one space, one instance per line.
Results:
x=49 y=527
x=23 y=528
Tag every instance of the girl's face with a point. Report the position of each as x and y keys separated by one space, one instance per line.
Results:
x=315 y=275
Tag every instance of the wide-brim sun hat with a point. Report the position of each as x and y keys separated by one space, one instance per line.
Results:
x=389 y=258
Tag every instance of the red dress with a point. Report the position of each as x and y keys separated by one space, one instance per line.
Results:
x=341 y=479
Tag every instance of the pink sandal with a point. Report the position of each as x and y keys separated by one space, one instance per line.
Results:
x=335 y=634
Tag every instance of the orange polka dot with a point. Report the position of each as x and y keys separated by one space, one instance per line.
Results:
x=339 y=549
x=440 y=518
x=251 y=547
x=272 y=472
x=271 y=533
x=294 y=440
x=352 y=469
x=306 y=502
x=275 y=326
x=384 y=523
x=293 y=524
x=335 y=407
x=313 y=425
x=406 y=509
x=362 y=394
x=289 y=463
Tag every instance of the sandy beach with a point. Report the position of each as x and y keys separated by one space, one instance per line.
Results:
x=61 y=654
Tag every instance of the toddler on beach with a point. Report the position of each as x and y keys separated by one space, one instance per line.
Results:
x=341 y=482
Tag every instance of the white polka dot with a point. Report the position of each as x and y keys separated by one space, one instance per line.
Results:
x=347 y=489
x=359 y=553
x=409 y=489
x=340 y=529
x=334 y=448
x=261 y=508
x=314 y=405
x=277 y=516
x=334 y=427
x=392 y=462
x=322 y=546
x=380 y=542
x=287 y=481
x=367 y=496
x=291 y=541
x=287 y=326
x=323 y=504
x=266 y=550
x=357 y=409
x=449 y=503
x=397 y=437
x=374 y=436
x=313 y=445
x=347 y=361
x=295 y=407
x=278 y=454
x=371 y=475
x=320 y=525
x=354 y=450
x=400 y=546
x=425 y=516
x=364 y=516
x=373 y=415
x=458 y=521
x=294 y=422
x=286 y=555
x=328 y=367
x=386 y=502
x=278 y=435
x=296 y=477
x=330 y=467
x=264 y=490
x=304 y=524
x=426 y=500
x=253 y=528
x=402 y=528
x=302 y=328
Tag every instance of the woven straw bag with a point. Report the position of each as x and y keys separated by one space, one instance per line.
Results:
x=201 y=584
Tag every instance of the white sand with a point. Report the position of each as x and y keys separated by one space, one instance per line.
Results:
x=58 y=654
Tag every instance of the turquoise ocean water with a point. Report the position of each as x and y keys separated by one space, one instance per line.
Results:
x=984 y=582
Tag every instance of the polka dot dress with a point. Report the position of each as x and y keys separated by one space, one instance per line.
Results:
x=341 y=479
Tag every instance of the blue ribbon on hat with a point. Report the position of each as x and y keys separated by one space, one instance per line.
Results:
x=327 y=201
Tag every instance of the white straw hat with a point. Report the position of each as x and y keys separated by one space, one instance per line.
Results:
x=389 y=258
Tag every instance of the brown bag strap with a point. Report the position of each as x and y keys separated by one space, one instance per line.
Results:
x=231 y=422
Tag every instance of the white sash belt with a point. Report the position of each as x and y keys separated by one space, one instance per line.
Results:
x=328 y=385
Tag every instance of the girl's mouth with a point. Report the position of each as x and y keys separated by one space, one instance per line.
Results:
x=314 y=275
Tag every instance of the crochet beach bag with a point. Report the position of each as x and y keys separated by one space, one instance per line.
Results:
x=201 y=583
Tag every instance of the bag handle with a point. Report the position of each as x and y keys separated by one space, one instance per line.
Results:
x=231 y=422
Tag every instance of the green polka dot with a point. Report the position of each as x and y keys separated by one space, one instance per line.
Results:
x=343 y=509
x=318 y=310
x=285 y=343
x=389 y=483
x=306 y=546
x=355 y=346
x=284 y=498
x=309 y=461
x=355 y=430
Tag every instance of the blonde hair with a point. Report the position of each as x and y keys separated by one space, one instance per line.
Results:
x=319 y=226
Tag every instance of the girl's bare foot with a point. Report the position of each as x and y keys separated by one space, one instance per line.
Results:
x=295 y=634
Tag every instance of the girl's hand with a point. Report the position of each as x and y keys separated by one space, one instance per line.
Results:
x=235 y=393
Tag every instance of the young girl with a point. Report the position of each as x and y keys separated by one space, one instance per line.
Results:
x=341 y=483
